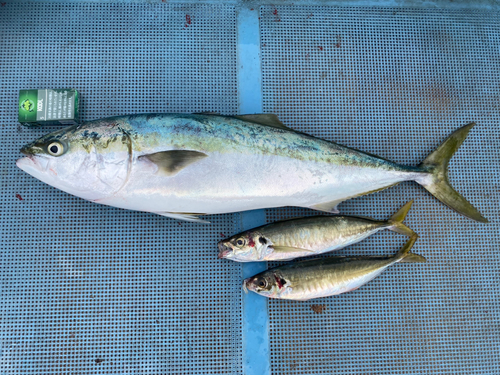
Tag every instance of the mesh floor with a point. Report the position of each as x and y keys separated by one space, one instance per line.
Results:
x=395 y=83
x=90 y=289
x=93 y=289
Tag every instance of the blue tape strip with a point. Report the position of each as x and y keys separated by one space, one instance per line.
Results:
x=249 y=68
x=256 y=353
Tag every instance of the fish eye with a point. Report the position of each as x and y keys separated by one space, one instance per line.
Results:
x=240 y=242
x=262 y=283
x=55 y=149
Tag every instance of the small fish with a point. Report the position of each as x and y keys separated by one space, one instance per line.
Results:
x=301 y=237
x=186 y=166
x=317 y=278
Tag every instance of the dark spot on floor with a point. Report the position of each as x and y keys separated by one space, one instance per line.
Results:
x=18 y=196
x=99 y=360
x=318 y=309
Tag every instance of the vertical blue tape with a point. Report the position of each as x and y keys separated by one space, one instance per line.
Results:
x=249 y=68
x=256 y=355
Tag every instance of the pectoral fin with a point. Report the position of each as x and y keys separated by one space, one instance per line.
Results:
x=267 y=119
x=184 y=216
x=170 y=163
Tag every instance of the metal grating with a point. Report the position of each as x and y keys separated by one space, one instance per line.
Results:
x=395 y=82
x=88 y=289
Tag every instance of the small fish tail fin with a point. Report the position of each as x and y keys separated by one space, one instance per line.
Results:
x=396 y=221
x=413 y=258
x=436 y=178
x=404 y=255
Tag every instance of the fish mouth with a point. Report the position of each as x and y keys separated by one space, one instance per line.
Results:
x=248 y=285
x=244 y=286
x=31 y=163
x=224 y=251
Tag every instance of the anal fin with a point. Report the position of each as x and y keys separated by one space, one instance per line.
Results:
x=330 y=207
x=184 y=216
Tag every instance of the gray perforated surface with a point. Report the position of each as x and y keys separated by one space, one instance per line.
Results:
x=95 y=290
x=396 y=82
x=88 y=289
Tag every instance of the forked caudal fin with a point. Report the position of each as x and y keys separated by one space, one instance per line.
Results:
x=404 y=255
x=396 y=221
x=436 y=182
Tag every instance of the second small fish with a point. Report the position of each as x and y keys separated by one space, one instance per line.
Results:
x=318 y=278
x=295 y=238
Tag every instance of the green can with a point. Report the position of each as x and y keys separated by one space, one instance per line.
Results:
x=48 y=107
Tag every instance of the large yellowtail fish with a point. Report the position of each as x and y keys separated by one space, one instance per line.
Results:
x=184 y=166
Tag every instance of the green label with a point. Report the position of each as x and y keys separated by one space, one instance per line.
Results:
x=48 y=106
x=28 y=100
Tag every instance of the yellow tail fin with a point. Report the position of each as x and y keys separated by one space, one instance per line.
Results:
x=436 y=181
x=396 y=221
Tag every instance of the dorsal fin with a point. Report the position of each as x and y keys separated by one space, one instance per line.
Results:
x=267 y=119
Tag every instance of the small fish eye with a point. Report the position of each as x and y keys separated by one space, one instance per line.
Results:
x=55 y=149
x=240 y=242
x=262 y=283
